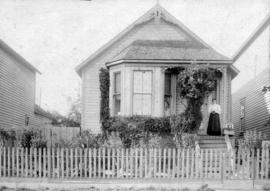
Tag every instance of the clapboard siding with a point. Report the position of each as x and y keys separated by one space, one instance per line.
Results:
x=256 y=104
x=17 y=92
x=90 y=82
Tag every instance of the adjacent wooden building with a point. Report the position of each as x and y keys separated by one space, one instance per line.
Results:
x=251 y=105
x=17 y=91
x=140 y=60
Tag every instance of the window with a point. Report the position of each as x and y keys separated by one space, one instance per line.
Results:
x=117 y=93
x=167 y=94
x=142 y=92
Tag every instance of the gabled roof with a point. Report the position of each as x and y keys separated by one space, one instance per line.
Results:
x=12 y=52
x=169 y=50
x=156 y=11
x=264 y=24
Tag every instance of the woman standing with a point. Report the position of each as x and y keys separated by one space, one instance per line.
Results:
x=214 y=122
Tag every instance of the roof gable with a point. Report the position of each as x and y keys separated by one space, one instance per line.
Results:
x=10 y=51
x=157 y=13
x=256 y=33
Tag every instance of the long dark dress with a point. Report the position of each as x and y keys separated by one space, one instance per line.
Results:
x=214 y=125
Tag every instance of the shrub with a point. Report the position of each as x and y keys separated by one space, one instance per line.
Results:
x=188 y=141
x=150 y=131
x=7 y=135
x=32 y=138
x=88 y=140
x=252 y=140
x=113 y=141
x=135 y=130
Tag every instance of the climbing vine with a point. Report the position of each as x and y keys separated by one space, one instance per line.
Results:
x=104 y=81
x=194 y=83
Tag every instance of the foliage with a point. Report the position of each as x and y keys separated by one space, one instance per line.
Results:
x=149 y=131
x=32 y=138
x=104 y=81
x=188 y=141
x=62 y=121
x=87 y=140
x=158 y=141
x=265 y=89
x=267 y=123
x=27 y=137
x=252 y=139
x=113 y=141
x=74 y=114
x=179 y=125
x=136 y=128
x=6 y=136
x=194 y=83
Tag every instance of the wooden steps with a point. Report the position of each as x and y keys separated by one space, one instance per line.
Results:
x=212 y=142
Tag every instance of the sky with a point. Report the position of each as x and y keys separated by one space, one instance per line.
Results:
x=57 y=35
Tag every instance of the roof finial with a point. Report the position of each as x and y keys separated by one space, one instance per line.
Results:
x=157 y=2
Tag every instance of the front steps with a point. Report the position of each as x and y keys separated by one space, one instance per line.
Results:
x=212 y=142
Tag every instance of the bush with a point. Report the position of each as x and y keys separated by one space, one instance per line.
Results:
x=252 y=140
x=7 y=136
x=188 y=141
x=138 y=131
x=32 y=138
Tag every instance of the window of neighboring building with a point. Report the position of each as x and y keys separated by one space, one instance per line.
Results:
x=142 y=92
x=117 y=93
x=242 y=113
x=167 y=94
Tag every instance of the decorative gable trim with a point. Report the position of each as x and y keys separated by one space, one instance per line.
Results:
x=157 y=13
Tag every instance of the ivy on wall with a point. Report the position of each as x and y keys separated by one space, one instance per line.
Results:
x=104 y=81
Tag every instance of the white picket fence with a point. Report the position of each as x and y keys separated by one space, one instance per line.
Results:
x=76 y=163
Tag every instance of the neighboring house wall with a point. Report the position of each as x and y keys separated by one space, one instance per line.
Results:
x=256 y=105
x=17 y=92
x=90 y=74
x=254 y=66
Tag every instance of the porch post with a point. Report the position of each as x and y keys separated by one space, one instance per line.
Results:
x=161 y=92
x=224 y=96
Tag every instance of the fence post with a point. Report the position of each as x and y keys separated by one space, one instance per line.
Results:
x=253 y=167
x=222 y=167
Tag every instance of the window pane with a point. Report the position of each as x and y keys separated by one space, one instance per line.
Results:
x=147 y=82
x=117 y=104
x=137 y=104
x=117 y=84
x=167 y=84
x=142 y=85
x=146 y=104
x=137 y=83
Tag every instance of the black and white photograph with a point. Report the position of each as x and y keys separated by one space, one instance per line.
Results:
x=134 y=95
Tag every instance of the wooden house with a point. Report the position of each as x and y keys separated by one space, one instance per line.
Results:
x=17 y=91
x=251 y=96
x=139 y=60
